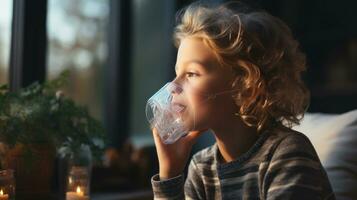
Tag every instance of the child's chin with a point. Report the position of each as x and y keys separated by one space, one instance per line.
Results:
x=191 y=123
x=193 y=126
x=200 y=126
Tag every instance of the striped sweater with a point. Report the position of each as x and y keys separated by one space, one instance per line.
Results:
x=282 y=164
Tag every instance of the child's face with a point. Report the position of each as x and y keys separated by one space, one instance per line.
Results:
x=200 y=76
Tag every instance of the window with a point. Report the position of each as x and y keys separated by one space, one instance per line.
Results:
x=77 y=33
x=152 y=60
x=5 y=38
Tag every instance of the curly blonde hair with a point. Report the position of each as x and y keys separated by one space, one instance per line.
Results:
x=261 y=50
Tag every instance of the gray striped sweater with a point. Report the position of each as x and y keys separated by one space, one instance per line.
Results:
x=282 y=164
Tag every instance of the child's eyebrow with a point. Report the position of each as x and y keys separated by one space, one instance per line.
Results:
x=192 y=62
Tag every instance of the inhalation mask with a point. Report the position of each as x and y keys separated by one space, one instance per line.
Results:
x=169 y=111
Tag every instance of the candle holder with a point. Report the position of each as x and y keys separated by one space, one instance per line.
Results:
x=7 y=185
x=79 y=174
x=78 y=184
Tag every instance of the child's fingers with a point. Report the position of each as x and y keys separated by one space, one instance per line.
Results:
x=157 y=138
x=192 y=136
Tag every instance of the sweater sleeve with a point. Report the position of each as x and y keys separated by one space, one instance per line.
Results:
x=177 y=188
x=169 y=188
x=295 y=172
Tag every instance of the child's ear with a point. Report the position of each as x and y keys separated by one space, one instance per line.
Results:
x=236 y=93
x=244 y=69
x=235 y=82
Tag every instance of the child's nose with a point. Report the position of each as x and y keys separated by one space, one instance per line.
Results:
x=175 y=88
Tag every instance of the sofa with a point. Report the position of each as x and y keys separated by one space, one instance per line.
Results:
x=334 y=137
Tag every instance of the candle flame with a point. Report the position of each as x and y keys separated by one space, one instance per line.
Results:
x=78 y=190
x=1 y=192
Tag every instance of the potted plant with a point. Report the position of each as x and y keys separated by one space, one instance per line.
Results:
x=37 y=122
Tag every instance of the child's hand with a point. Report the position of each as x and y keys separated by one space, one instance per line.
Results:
x=173 y=157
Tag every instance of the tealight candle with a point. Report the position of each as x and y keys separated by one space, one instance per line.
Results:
x=77 y=195
x=7 y=184
x=3 y=196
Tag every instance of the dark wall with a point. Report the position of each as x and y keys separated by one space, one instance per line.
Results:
x=327 y=33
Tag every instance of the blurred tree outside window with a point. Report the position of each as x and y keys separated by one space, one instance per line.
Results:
x=152 y=60
x=77 y=40
x=5 y=38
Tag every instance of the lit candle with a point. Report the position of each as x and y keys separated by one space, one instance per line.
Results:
x=3 y=196
x=78 y=195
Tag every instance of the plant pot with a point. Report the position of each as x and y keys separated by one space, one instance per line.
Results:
x=34 y=172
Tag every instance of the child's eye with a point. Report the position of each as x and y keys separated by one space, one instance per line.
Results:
x=191 y=74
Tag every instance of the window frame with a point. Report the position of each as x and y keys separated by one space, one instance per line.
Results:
x=28 y=43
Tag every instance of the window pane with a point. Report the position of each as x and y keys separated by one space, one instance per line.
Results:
x=77 y=41
x=152 y=60
x=5 y=38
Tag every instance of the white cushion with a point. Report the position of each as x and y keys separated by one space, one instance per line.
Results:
x=335 y=140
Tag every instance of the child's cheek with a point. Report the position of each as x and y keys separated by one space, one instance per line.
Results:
x=200 y=104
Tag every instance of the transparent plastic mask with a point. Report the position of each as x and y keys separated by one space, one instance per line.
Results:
x=169 y=112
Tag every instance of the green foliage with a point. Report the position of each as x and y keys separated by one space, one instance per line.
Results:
x=40 y=114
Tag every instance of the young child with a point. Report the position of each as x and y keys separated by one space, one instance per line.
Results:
x=250 y=64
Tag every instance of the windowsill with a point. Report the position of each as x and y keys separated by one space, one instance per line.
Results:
x=140 y=194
